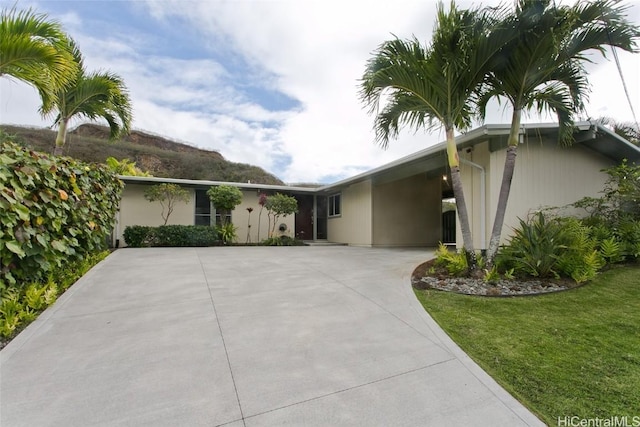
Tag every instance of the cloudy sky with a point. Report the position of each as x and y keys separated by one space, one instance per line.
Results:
x=271 y=83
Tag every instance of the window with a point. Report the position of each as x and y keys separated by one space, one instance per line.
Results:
x=335 y=208
x=219 y=218
x=203 y=208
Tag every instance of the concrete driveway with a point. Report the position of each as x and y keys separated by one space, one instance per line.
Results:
x=246 y=336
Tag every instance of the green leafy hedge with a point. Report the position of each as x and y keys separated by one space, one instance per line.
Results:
x=52 y=210
x=171 y=235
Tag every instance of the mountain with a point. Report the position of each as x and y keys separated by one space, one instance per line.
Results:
x=157 y=155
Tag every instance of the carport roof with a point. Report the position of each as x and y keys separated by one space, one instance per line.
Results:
x=589 y=134
x=433 y=159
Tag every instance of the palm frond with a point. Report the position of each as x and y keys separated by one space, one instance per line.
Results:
x=35 y=49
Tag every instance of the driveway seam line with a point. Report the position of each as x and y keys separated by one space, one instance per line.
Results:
x=224 y=344
x=354 y=387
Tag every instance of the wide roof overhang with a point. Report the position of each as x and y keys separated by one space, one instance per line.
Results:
x=433 y=160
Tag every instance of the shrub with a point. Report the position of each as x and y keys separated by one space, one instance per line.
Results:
x=552 y=247
x=171 y=236
x=138 y=236
x=228 y=233
x=224 y=198
x=20 y=305
x=52 y=210
x=282 y=241
x=455 y=262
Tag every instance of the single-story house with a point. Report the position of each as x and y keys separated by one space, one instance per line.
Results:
x=401 y=203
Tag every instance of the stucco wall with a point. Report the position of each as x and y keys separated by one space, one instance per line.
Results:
x=408 y=212
x=136 y=210
x=546 y=175
x=353 y=226
x=240 y=218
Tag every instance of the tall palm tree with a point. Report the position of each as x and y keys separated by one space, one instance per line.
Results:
x=35 y=49
x=94 y=96
x=544 y=68
x=433 y=86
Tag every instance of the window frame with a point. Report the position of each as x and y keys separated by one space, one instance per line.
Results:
x=199 y=193
x=332 y=212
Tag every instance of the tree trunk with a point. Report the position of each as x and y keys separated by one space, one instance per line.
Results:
x=458 y=193
x=60 y=137
x=505 y=187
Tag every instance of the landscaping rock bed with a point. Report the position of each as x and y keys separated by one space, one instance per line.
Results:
x=423 y=278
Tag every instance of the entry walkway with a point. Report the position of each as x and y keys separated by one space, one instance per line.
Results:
x=246 y=336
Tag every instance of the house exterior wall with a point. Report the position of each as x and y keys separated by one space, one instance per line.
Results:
x=546 y=175
x=136 y=210
x=240 y=218
x=472 y=181
x=408 y=212
x=353 y=226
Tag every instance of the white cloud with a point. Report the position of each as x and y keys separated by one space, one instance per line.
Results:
x=313 y=51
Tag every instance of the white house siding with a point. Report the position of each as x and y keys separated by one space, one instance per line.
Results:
x=353 y=226
x=472 y=183
x=408 y=212
x=240 y=218
x=136 y=210
x=553 y=177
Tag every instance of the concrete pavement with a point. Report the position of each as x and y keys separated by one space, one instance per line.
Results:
x=246 y=336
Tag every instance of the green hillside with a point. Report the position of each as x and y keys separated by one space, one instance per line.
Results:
x=159 y=156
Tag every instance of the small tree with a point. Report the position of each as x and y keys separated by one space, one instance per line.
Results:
x=262 y=200
x=168 y=195
x=224 y=198
x=280 y=205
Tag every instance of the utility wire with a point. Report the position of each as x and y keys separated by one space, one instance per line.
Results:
x=624 y=83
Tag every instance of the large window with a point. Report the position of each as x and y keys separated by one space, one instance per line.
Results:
x=335 y=208
x=203 y=208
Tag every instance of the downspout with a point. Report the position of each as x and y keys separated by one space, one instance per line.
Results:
x=315 y=218
x=483 y=233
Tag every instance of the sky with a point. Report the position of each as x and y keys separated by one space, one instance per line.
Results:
x=272 y=83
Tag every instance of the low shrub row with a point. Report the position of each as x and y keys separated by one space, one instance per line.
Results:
x=138 y=236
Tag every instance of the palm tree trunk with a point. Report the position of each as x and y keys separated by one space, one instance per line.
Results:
x=458 y=193
x=505 y=187
x=61 y=137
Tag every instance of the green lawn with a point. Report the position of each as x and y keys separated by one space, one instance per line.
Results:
x=573 y=353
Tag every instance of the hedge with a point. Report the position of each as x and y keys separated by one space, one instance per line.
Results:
x=171 y=235
x=52 y=209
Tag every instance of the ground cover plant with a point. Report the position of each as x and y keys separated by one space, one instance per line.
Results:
x=573 y=353
x=20 y=305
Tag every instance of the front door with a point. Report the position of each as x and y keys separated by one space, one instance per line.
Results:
x=304 y=218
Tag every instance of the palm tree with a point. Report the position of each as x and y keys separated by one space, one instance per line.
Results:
x=433 y=86
x=628 y=130
x=95 y=95
x=35 y=50
x=544 y=68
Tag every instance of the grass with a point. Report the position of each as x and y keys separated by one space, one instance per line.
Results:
x=573 y=353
